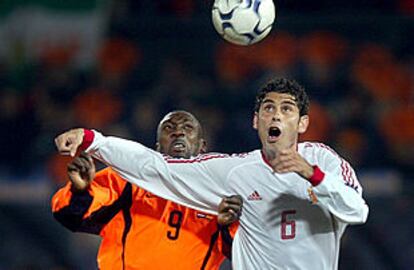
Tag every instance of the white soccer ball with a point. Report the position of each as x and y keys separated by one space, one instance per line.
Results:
x=243 y=22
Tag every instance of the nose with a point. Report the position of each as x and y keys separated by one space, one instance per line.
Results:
x=276 y=116
x=177 y=132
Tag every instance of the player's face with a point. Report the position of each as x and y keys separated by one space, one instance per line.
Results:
x=179 y=135
x=278 y=122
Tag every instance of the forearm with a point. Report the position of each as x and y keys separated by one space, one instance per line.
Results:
x=148 y=169
x=69 y=208
x=343 y=201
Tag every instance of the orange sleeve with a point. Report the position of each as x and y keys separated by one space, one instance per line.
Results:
x=91 y=210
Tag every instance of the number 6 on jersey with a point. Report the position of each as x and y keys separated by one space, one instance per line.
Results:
x=288 y=228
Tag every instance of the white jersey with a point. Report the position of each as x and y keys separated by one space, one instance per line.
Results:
x=286 y=223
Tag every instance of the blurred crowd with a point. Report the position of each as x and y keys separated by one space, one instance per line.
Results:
x=362 y=91
x=362 y=94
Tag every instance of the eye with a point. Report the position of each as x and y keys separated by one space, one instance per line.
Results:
x=287 y=108
x=188 y=127
x=268 y=107
x=167 y=127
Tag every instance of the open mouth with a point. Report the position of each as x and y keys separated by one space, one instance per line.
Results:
x=178 y=146
x=273 y=134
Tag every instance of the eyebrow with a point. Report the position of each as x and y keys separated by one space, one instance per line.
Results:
x=286 y=101
x=268 y=101
x=185 y=121
x=291 y=102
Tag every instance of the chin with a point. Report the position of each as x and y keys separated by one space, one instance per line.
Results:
x=180 y=155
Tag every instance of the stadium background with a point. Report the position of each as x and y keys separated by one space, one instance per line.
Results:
x=118 y=66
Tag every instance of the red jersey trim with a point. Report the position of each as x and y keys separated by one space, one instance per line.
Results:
x=88 y=137
x=197 y=159
x=317 y=176
x=265 y=160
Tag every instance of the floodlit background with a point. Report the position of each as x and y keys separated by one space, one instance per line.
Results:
x=119 y=66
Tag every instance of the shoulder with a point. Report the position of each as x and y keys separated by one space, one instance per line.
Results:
x=316 y=148
x=108 y=174
x=108 y=178
x=327 y=158
x=318 y=151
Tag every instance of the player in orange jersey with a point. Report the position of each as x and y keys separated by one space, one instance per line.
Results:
x=138 y=229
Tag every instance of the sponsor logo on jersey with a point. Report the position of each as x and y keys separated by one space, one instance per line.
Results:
x=202 y=215
x=255 y=196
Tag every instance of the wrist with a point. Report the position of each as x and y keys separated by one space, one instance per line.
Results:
x=317 y=176
x=76 y=188
x=222 y=226
x=87 y=140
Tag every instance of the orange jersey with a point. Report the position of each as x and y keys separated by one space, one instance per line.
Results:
x=140 y=230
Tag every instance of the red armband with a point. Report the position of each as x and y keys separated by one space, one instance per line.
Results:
x=88 y=137
x=317 y=176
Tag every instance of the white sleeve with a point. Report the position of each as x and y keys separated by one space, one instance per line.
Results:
x=197 y=183
x=339 y=191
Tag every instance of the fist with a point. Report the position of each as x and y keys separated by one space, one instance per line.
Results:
x=81 y=171
x=230 y=209
x=67 y=143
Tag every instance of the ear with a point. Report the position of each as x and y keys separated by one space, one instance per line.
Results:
x=255 y=120
x=203 y=146
x=158 y=147
x=303 y=124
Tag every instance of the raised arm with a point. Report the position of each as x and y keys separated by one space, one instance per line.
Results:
x=197 y=183
x=336 y=187
x=334 y=183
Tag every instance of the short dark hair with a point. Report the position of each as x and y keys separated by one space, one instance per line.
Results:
x=200 y=128
x=285 y=86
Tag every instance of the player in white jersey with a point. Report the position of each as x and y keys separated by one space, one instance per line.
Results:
x=298 y=197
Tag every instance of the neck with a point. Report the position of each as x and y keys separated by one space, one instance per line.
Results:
x=269 y=154
x=271 y=151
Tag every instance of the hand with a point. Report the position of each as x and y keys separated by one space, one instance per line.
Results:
x=81 y=171
x=67 y=143
x=229 y=210
x=290 y=161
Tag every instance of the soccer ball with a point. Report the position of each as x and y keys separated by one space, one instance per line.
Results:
x=243 y=22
